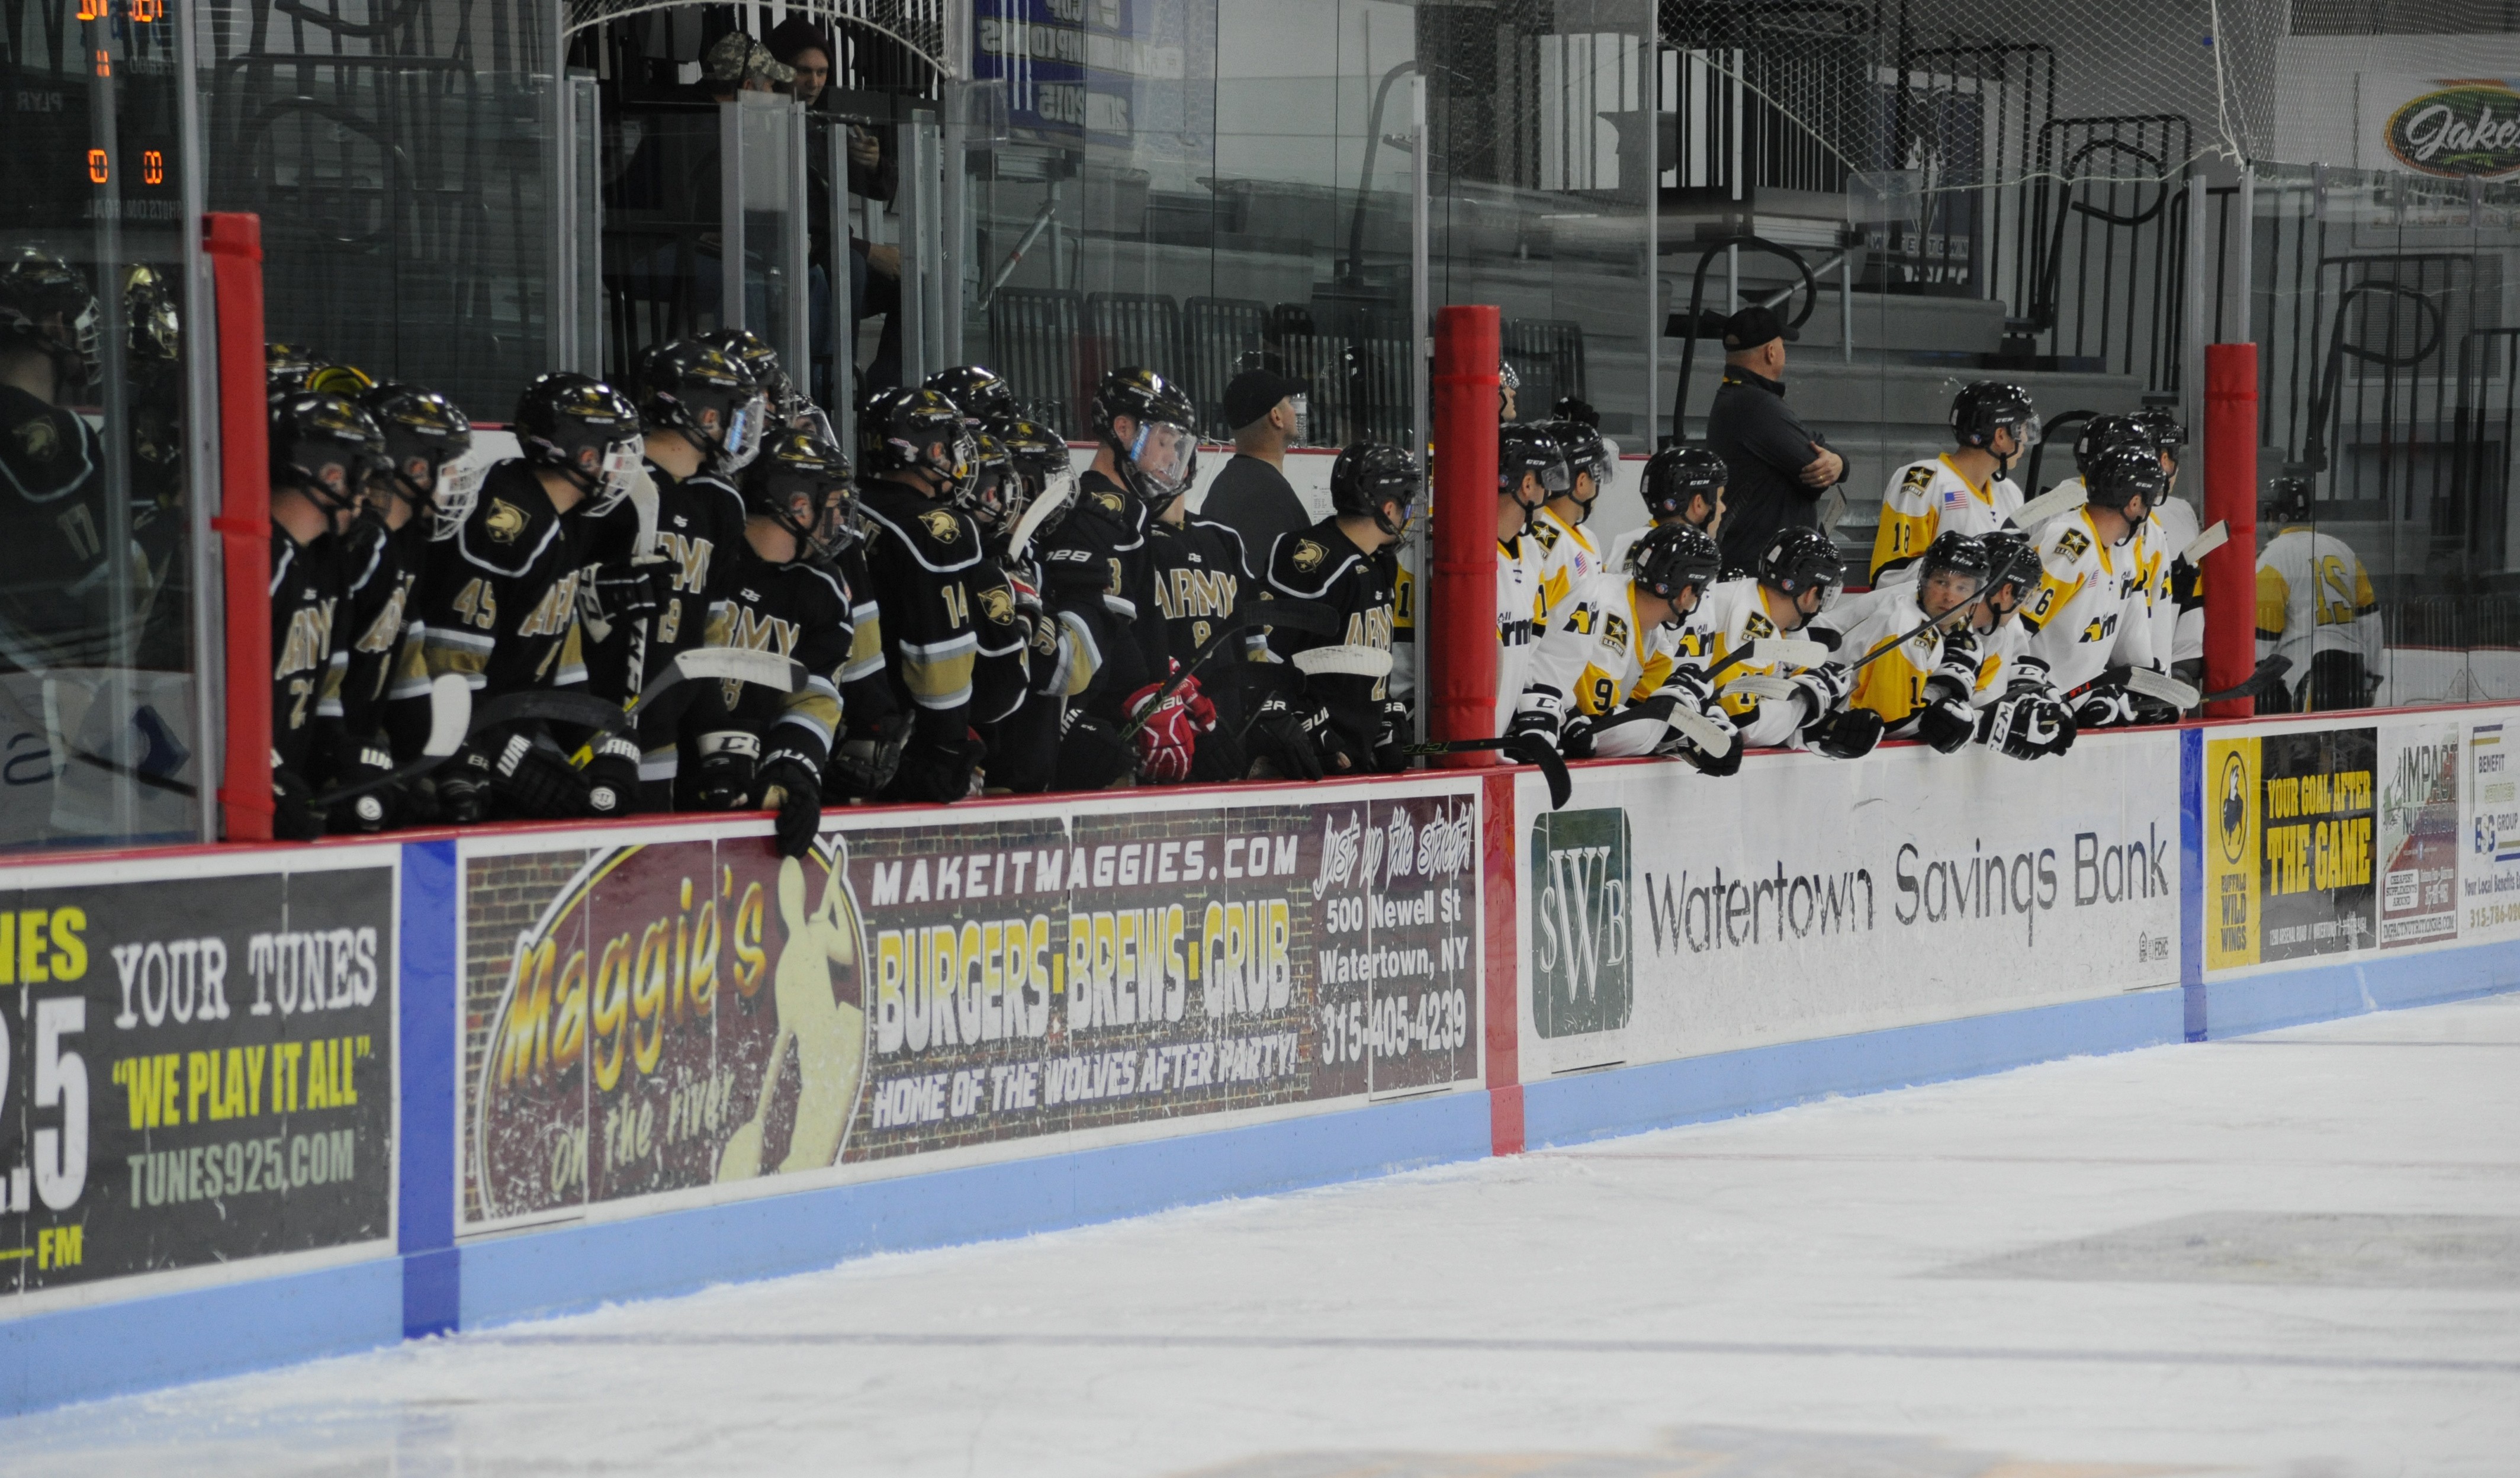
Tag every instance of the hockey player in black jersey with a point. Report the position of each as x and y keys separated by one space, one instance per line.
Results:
x=324 y=450
x=71 y=580
x=946 y=608
x=1341 y=702
x=499 y=602
x=1019 y=514
x=771 y=751
x=381 y=704
x=659 y=562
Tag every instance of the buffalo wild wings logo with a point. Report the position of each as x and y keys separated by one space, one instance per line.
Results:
x=1308 y=556
x=506 y=522
x=2465 y=129
x=942 y=526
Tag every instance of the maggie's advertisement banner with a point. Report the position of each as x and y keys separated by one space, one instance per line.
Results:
x=692 y=1010
x=1668 y=914
x=196 y=1062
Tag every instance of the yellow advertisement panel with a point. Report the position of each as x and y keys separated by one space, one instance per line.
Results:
x=2230 y=853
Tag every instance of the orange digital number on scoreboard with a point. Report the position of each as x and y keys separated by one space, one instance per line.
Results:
x=153 y=168
x=96 y=168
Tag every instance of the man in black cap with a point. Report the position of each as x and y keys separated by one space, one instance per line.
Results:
x=1779 y=467
x=1252 y=495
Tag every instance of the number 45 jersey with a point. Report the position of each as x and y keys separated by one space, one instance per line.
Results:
x=499 y=602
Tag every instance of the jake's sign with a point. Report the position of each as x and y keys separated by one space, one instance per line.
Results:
x=2461 y=129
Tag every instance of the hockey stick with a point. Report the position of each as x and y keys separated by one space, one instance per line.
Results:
x=2064 y=498
x=1300 y=616
x=2207 y=542
x=1769 y=651
x=2255 y=685
x=1523 y=747
x=2161 y=688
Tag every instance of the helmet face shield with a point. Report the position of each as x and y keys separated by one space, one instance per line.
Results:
x=1165 y=455
x=612 y=470
x=744 y=430
x=459 y=487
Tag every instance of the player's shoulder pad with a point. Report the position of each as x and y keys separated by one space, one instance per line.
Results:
x=510 y=524
x=942 y=539
x=1305 y=567
x=1919 y=475
x=367 y=556
x=44 y=449
x=1546 y=532
x=1233 y=538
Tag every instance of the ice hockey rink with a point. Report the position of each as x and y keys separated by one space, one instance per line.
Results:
x=2295 y=1254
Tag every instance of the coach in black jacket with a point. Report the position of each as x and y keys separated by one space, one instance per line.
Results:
x=1779 y=467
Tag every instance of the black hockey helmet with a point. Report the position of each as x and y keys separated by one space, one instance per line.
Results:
x=1954 y=553
x=326 y=447
x=2011 y=563
x=1985 y=407
x=285 y=366
x=704 y=394
x=992 y=487
x=1526 y=448
x=426 y=434
x=2288 y=500
x=1366 y=476
x=1587 y=451
x=2118 y=474
x=348 y=381
x=45 y=304
x=905 y=430
x=1161 y=454
x=1798 y=559
x=583 y=429
x=2169 y=435
x=801 y=481
x=1037 y=456
x=1576 y=409
x=981 y=393
x=753 y=352
x=1673 y=557
x=2101 y=433
x=154 y=329
x=1678 y=476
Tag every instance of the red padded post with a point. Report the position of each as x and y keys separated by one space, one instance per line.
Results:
x=1458 y=620
x=233 y=243
x=2230 y=573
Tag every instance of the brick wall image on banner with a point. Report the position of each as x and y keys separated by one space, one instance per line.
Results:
x=688 y=1014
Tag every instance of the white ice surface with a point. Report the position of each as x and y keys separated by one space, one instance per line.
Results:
x=1759 y=1298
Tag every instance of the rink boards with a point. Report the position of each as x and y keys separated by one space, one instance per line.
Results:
x=261 y=1105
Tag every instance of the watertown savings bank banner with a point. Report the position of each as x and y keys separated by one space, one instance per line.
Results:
x=688 y=1010
x=1667 y=913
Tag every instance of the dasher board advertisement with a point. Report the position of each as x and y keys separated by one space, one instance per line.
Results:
x=2489 y=873
x=1667 y=913
x=196 y=1065
x=2292 y=846
x=681 y=1014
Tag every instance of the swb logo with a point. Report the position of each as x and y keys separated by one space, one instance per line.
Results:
x=1579 y=892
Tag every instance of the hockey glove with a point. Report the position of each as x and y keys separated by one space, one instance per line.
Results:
x=1945 y=723
x=864 y=763
x=1688 y=684
x=1389 y=758
x=789 y=787
x=1726 y=763
x=1540 y=715
x=626 y=590
x=1954 y=677
x=531 y=779
x=1575 y=741
x=729 y=758
x=293 y=818
x=2103 y=705
x=935 y=773
x=370 y=811
x=613 y=776
x=1821 y=689
x=1847 y=733
x=1283 y=735
x=463 y=787
x=1169 y=725
x=2027 y=723
x=1090 y=754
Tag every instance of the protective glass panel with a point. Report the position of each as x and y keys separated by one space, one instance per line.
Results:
x=99 y=731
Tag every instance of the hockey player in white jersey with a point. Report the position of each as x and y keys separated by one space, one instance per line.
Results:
x=1920 y=680
x=1778 y=703
x=2179 y=607
x=1967 y=490
x=1681 y=484
x=1527 y=461
x=1609 y=673
x=2019 y=711
x=1569 y=554
x=2090 y=620
x=2315 y=608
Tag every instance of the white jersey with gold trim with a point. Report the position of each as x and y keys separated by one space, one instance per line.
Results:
x=2092 y=606
x=1892 y=685
x=1519 y=619
x=1728 y=618
x=2314 y=596
x=1568 y=557
x=1596 y=655
x=1928 y=498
